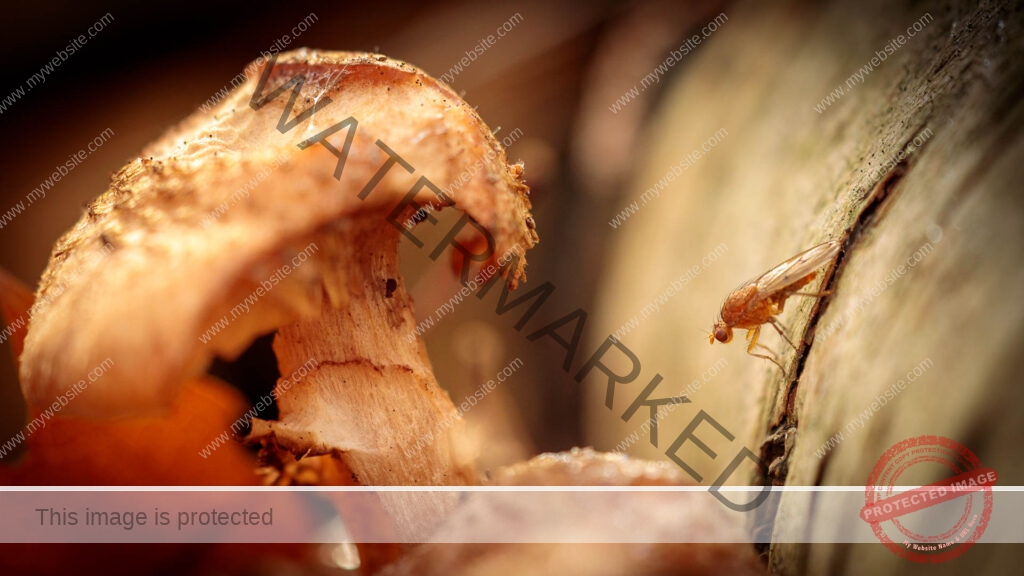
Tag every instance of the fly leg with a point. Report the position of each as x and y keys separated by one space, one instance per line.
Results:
x=779 y=328
x=752 y=336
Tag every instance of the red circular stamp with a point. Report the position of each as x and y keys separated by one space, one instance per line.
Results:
x=934 y=522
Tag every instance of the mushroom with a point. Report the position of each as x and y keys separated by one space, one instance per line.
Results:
x=514 y=532
x=271 y=213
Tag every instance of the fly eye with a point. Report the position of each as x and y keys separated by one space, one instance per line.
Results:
x=721 y=335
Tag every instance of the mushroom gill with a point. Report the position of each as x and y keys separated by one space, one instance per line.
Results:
x=270 y=212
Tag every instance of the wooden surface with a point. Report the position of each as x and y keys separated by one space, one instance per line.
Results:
x=787 y=177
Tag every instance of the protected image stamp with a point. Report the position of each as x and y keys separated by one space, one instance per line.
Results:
x=901 y=519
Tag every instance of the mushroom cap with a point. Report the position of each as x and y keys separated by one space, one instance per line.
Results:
x=221 y=201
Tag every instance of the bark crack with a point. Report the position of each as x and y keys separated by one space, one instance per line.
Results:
x=781 y=436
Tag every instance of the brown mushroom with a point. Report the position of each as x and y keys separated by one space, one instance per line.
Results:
x=268 y=213
x=501 y=533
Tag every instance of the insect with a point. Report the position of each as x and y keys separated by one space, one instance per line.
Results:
x=756 y=302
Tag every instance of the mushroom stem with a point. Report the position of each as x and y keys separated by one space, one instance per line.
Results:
x=372 y=402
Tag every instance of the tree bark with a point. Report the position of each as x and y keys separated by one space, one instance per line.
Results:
x=786 y=177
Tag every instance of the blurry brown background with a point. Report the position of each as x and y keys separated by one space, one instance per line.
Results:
x=154 y=65
x=761 y=192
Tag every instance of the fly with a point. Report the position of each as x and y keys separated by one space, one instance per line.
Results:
x=758 y=301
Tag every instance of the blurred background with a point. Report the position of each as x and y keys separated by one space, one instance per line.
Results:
x=776 y=150
x=550 y=77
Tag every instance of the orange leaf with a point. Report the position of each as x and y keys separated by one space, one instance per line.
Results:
x=154 y=451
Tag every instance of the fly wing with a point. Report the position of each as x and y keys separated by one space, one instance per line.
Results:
x=797 y=267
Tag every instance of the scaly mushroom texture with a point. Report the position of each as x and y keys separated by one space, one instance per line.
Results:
x=270 y=212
